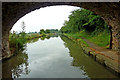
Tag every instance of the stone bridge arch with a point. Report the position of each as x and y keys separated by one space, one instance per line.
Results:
x=13 y=11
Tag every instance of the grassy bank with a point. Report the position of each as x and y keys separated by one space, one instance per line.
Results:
x=102 y=39
x=18 y=41
x=84 y=23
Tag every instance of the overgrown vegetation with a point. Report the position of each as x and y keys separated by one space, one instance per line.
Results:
x=18 y=41
x=85 y=23
x=49 y=32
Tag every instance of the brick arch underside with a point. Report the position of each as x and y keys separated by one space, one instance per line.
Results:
x=12 y=12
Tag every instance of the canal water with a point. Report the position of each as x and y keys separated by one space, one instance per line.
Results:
x=55 y=57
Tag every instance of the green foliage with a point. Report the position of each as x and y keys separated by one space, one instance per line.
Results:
x=47 y=31
x=76 y=37
x=102 y=39
x=17 y=41
x=85 y=23
x=82 y=19
x=53 y=30
x=42 y=31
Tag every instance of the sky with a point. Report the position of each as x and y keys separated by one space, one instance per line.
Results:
x=51 y=17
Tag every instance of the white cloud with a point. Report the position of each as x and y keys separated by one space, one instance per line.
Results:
x=45 y=18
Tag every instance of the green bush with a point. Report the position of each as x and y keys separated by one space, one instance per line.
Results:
x=85 y=23
x=17 y=41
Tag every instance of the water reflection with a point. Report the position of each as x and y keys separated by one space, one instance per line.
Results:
x=54 y=35
x=53 y=58
x=42 y=38
x=18 y=65
x=48 y=37
x=15 y=66
x=90 y=67
x=33 y=40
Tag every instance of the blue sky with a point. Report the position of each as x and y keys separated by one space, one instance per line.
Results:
x=51 y=17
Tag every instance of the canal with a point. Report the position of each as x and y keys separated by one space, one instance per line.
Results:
x=55 y=57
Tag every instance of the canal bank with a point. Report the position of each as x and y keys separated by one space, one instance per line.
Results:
x=108 y=58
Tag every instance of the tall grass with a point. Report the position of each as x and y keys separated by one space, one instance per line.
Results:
x=17 y=42
x=102 y=39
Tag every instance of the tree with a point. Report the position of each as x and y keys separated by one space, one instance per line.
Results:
x=23 y=26
x=47 y=31
x=42 y=31
x=82 y=19
x=22 y=34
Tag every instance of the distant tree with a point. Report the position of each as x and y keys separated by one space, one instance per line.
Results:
x=47 y=31
x=56 y=29
x=82 y=19
x=42 y=31
x=23 y=34
x=23 y=26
